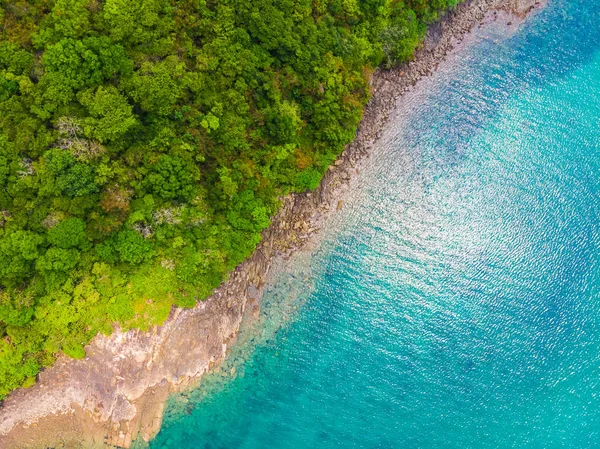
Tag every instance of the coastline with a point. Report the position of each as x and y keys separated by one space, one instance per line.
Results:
x=118 y=392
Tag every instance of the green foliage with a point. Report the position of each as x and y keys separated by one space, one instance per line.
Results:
x=138 y=22
x=74 y=350
x=111 y=115
x=87 y=62
x=156 y=87
x=132 y=247
x=144 y=145
x=57 y=259
x=66 y=19
x=16 y=308
x=55 y=265
x=308 y=179
x=171 y=178
x=69 y=176
x=68 y=234
x=18 y=252
x=4 y=163
x=14 y=59
x=400 y=40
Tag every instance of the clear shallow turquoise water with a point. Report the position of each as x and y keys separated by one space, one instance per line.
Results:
x=455 y=301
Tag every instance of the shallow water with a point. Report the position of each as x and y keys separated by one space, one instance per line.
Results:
x=454 y=302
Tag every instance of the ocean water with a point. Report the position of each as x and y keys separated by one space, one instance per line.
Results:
x=455 y=301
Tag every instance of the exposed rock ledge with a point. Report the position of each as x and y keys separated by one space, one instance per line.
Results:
x=118 y=392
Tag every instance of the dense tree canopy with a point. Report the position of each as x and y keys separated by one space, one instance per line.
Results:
x=144 y=144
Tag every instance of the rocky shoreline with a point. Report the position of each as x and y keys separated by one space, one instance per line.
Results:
x=118 y=392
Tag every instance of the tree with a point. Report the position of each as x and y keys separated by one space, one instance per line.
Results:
x=4 y=161
x=16 y=307
x=68 y=233
x=73 y=178
x=18 y=251
x=156 y=87
x=15 y=60
x=139 y=22
x=55 y=266
x=132 y=247
x=68 y=19
x=401 y=38
x=87 y=62
x=111 y=114
x=171 y=178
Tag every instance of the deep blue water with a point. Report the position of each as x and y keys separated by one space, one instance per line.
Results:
x=455 y=300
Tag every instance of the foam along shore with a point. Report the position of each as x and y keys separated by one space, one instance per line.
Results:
x=117 y=394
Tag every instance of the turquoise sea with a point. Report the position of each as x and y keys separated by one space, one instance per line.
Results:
x=454 y=302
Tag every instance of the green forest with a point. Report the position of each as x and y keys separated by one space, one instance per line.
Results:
x=144 y=146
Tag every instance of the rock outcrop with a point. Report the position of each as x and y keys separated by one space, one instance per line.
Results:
x=522 y=7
